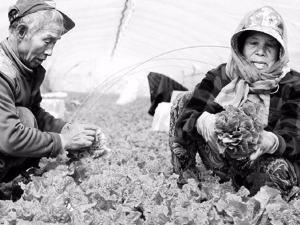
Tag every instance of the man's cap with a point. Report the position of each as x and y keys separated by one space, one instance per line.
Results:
x=25 y=7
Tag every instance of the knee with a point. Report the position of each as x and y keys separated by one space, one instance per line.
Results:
x=181 y=98
x=26 y=117
x=177 y=103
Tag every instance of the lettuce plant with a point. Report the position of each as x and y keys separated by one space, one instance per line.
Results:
x=239 y=130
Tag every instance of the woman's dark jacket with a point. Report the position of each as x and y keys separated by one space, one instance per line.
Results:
x=284 y=113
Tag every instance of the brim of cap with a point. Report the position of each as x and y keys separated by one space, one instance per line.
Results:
x=266 y=30
x=68 y=23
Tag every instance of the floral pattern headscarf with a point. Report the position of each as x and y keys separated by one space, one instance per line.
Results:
x=247 y=82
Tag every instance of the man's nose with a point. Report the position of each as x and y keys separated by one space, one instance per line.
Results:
x=49 y=51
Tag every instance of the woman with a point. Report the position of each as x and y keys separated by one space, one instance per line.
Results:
x=257 y=72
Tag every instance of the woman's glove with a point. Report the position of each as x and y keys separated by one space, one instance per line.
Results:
x=269 y=145
x=206 y=128
x=206 y=125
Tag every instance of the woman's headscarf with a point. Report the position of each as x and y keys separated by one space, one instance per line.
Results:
x=247 y=82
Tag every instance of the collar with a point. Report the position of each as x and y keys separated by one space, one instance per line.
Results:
x=24 y=70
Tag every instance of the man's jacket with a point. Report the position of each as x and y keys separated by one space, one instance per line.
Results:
x=20 y=86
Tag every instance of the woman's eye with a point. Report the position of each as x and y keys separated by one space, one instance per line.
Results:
x=252 y=42
x=271 y=45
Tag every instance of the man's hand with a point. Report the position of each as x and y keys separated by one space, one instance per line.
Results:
x=269 y=145
x=76 y=136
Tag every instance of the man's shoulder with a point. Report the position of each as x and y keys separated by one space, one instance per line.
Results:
x=7 y=68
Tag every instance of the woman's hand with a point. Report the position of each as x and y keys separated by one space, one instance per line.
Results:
x=269 y=145
x=206 y=125
x=206 y=128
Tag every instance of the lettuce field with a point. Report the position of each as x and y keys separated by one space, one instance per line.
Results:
x=133 y=183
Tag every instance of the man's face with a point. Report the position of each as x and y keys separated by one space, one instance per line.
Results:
x=261 y=50
x=35 y=48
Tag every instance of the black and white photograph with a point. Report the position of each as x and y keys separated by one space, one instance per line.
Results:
x=149 y=112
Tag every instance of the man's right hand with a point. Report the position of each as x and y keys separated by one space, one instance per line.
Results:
x=76 y=136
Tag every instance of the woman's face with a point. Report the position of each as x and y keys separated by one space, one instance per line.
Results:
x=262 y=50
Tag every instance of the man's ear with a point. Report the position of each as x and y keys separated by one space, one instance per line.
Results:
x=22 y=30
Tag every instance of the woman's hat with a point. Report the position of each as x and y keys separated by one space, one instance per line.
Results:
x=265 y=20
x=25 y=7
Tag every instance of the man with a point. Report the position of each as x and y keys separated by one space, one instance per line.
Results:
x=28 y=132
